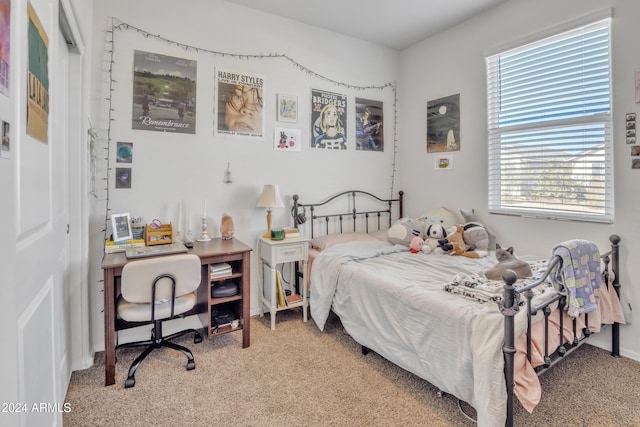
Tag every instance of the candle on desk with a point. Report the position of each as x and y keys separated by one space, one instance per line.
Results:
x=179 y=216
x=204 y=212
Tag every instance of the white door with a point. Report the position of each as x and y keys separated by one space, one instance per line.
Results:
x=42 y=238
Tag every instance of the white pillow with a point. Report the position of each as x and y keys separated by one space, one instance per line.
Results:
x=328 y=240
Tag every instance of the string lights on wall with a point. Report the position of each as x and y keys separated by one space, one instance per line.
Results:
x=118 y=25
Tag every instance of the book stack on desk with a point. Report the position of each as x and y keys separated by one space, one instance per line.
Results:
x=112 y=247
x=220 y=270
x=290 y=232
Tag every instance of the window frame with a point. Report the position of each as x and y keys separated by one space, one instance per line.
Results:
x=497 y=131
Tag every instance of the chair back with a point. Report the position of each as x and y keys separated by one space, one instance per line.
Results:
x=138 y=277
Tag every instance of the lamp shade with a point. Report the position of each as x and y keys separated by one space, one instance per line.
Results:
x=270 y=197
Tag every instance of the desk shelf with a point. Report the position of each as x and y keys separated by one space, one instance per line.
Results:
x=239 y=260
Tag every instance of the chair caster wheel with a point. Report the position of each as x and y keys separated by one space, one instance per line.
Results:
x=130 y=382
x=197 y=339
x=191 y=365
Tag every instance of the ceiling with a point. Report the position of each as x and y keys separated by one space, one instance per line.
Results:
x=392 y=23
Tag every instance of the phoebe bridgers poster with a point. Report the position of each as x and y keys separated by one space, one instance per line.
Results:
x=164 y=93
x=328 y=120
x=240 y=104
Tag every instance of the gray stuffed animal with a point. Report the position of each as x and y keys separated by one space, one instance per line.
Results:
x=476 y=238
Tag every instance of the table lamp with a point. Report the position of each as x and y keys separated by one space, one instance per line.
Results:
x=270 y=198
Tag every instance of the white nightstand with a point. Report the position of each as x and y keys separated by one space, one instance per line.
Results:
x=274 y=252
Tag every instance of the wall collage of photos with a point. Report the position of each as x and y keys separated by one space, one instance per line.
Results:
x=164 y=100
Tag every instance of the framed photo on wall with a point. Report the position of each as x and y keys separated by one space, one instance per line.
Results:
x=443 y=163
x=286 y=139
x=121 y=227
x=287 y=108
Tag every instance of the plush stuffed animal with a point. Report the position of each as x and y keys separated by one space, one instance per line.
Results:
x=469 y=215
x=434 y=233
x=405 y=229
x=476 y=237
x=442 y=216
x=416 y=244
x=454 y=243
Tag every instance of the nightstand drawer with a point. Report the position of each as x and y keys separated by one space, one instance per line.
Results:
x=289 y=253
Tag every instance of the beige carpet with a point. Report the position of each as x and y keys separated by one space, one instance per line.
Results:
x=297 y=375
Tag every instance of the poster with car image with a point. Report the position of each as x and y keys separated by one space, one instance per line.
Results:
x=164 y=93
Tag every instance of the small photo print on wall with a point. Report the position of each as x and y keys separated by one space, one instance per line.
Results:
x=287 y=108
x=124 y=152
x=328 y=120
x=5 y=151
x=123 y=177
x=287 y=139
x=369 y=136
x=443 y=124
x=443 y=163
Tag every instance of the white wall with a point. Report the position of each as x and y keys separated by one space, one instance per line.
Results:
x=38 y=275
x=169 y=168
x=453 y=62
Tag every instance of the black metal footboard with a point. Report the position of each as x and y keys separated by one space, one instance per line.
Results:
x=364 y=212
x=555 y=347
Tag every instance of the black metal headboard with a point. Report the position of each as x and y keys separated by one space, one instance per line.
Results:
x=373 y=207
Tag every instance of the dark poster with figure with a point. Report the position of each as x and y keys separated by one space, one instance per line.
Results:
x=164 y=93
x=443 y=124
x=328 y=120
x=369 y=135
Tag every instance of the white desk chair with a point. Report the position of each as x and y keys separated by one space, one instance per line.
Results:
x=155 y=289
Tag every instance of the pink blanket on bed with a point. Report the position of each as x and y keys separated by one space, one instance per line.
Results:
x=527 y=385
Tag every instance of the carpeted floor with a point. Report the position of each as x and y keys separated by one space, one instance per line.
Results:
x=297 y=375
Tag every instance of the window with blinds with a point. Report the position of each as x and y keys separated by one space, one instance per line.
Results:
x=550 y=142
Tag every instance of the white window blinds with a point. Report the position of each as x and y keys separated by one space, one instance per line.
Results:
x=550 y=143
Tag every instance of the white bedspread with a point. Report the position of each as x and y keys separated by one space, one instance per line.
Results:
x=395 y=304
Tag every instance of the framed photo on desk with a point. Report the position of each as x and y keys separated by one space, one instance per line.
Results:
x=121 y=227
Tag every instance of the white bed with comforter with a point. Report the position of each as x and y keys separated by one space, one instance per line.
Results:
x=452 y=342
x=394 y=302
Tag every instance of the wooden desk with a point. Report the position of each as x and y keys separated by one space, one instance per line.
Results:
x=215 y=251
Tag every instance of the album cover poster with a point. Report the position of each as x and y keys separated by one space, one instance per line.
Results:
x=328 y=120
x=5 y=44
x=369 y=136
x=240 y=104
x=164 y=93
x=38 y=78
x=443 y=124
